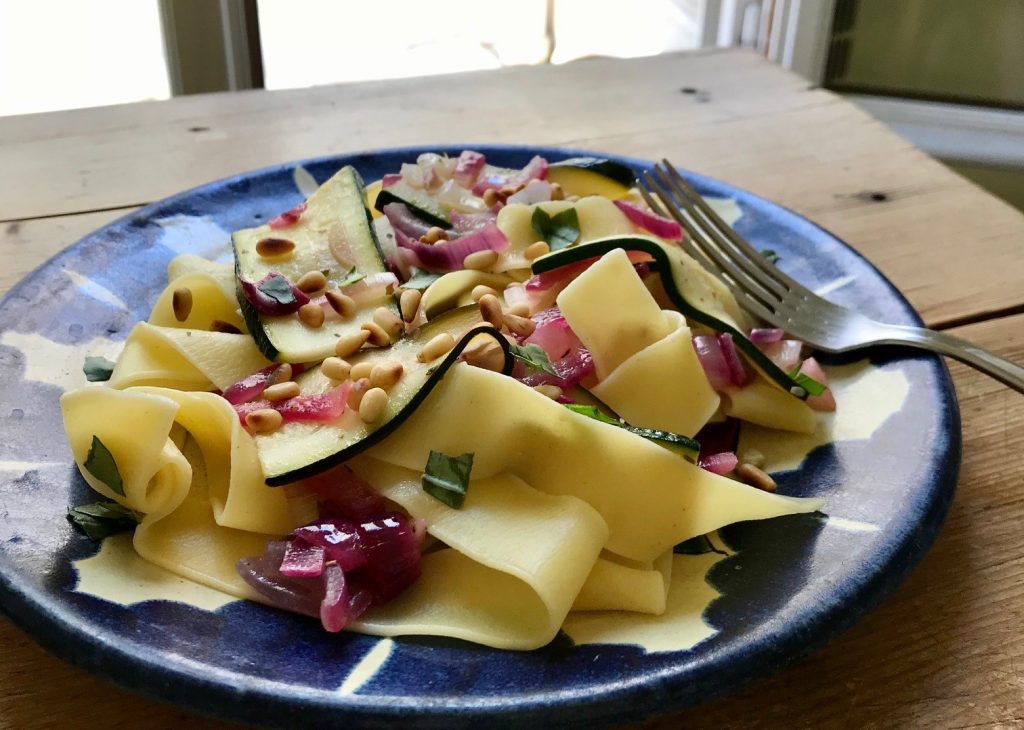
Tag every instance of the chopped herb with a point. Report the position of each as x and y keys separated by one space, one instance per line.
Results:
x=277 y=288
x=446 y=478
x=533 y=356
x=100 y=463
x=560 y=231
x=687 y=447
x=697 y=546
x=97 y=369
x=771 y=255
x=812 y=386
x=420 y=279
x=102 y=519
x=351 y=277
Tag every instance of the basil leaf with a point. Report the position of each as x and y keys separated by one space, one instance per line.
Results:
x=102 y=519
x=697 y=546
x=560 y=231
x=771 y=255
x=277 y=288
x=533 y=356
x=97 y=369
x=100 y=463
x=812 y=386
x=420 y=279
x=351 y=277
x=446 y=478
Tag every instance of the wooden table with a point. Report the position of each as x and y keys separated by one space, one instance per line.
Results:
x=946 y=649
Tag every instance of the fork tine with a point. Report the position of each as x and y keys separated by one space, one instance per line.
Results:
x=744 y=296
x=722 y=265
x=764 y=269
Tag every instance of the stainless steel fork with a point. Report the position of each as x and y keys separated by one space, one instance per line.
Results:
x=766 y=292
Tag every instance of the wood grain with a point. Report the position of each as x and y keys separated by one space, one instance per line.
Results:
x=750 y=124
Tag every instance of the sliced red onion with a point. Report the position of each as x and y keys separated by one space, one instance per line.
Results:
x=249 y=387
x=784 y=353
x=766 y=335
x=553 y=334
x=720 y=463
x=719 y=436
x=393 y=556
x=738 y=374
x=826 y=401
x=291 y=594
x=571 y=370
x=661 y=227
x=390 y=179
x=449 y=255
x=468 y=167
x=288 y=218
x=537 y=191
x=302 y=560
x=334 y=605
x=266 y=304
x=464 y=223
x=535 y=169
x=404 y=220
x=342 y=493
x=709 y=353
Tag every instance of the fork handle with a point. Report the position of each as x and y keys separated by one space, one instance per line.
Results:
x=979 y=358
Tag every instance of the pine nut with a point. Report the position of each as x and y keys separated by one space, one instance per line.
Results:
x=270 y=248
x=484 y=353
x=281 y=391
x=386 y=374
x=434 y=234
x=264 y=420
x=373 y=405
x=311 y=281
x=219 y=325
x=520 y=309
x=557 y=193
x=755 y=477
x=336 y=369
x=343 y=304
x=350 y=342
x=311 y=314
x=536 y=249
x=361 y=370
x=481 y=290
x=549 y=391
x=409 y=303
x=388 y=321
x=436 y=347
x=359 y=389
x=480 y=260
x=378 y=336
x=490 y=310
x=282 y=374
x=181 y=303
x=491 y=197
x=522 y=326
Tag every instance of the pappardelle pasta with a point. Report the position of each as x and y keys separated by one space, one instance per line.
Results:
x=462 y=401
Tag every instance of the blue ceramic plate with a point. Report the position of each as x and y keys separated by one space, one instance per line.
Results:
x=787 y=586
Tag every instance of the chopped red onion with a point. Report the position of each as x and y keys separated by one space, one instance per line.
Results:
x=266 y=304
x=371 y=287
x=250 y=386
x=320 y=407
x=515 y=295
x=571 y=369
x=342 y=493
x=661 y=227
x=784 y=353
x=338 y=538
x=404 y=220
x=288 y=218
x=390 y=179
x=720 y=463
x=766 y=335
x=393 y=556
x=468 y=167
x=454 y=198
x=302 y=560
x=464 y=223
x=709 y=353
x=738 y=374
x=536 y=191
x=535 y=169
x=553 y=334
x=449 y=255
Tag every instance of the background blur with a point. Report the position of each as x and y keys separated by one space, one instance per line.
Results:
x=946 y=74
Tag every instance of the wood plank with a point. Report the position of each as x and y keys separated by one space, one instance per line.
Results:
x=942 y=651
x=751 y=124
x=24 y=245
